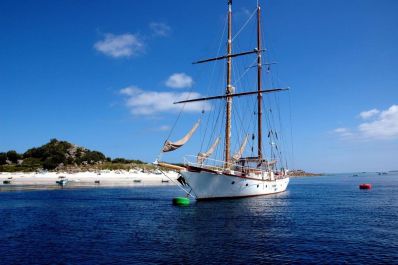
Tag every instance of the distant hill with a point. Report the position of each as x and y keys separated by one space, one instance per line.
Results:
x=53 y=155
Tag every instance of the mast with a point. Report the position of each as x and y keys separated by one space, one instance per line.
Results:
x=259 y=84
x=228 y=89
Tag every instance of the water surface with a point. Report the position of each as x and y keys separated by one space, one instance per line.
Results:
x=317 y=220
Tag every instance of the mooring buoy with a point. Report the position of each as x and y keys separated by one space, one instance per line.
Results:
x=181 y=201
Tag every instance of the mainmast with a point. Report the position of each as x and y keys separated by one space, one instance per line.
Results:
x=259 y=84
x=229 y=93
x=229 y=88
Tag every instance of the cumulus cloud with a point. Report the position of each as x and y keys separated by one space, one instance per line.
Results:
x=383 y=125
x=118 y=46
x=160 y=29
x=179 y=80
x=141 y=102
x=368 y=114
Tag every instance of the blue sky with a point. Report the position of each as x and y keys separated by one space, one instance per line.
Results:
x=80 y=70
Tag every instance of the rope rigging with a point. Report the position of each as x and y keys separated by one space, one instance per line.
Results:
x=242 y=124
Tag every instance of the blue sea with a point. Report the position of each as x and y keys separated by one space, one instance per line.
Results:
x=325 y=220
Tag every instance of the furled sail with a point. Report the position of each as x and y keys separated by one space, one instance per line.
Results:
x=239 y=153
x=171 y=146
x=203 y=156
x=268 y=163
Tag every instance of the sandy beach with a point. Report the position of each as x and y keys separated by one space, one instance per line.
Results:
x=103 y=178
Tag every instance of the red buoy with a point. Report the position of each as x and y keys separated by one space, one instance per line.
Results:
x=365 y=186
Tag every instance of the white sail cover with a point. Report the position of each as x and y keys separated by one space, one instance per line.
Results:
x=239 y=153
x=171 y=146
x=203 y=156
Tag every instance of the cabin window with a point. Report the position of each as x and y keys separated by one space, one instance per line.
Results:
x=258 y=185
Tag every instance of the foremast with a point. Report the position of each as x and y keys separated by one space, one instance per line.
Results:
x=229 y=90
x=259 y=86
x=230 y=93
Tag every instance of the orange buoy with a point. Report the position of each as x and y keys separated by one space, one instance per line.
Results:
x=365 y=186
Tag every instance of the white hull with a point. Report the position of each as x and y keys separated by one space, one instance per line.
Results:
x=206 y=185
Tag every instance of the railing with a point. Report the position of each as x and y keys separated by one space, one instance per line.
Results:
x=220 y=166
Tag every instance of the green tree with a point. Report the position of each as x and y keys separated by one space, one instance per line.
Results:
x=139 y=162
x=53 y=161
x=13 y=156
x=3 y=158
x=93 y=156
x=120 y=160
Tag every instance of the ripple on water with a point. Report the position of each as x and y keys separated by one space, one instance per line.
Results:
x=318 y=220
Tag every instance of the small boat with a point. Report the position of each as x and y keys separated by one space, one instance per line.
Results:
x=62 y=182
x=355 y=175
x=97 y=182
x=137 y=181
x=365 y=186
x=165 y=181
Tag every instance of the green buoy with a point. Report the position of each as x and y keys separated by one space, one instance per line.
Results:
x=181 y=201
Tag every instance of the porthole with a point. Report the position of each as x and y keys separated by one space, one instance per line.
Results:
x=233 y=182
x=247 y=184
x=258 y=185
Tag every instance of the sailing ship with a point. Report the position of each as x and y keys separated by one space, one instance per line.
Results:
x=235 y=175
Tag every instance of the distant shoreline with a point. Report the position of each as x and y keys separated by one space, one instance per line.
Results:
x=97 y=178
x=302 y=173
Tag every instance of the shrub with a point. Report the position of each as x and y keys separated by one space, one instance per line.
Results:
x=32 y=162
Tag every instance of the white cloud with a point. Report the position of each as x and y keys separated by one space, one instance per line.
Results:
x=130 y=90
x=118 y=46
x=160 y=29
x=368 y=114
x=141 y=102
x=385 y=126
x=343 y=132
x=179 y=80
x=340 y=130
